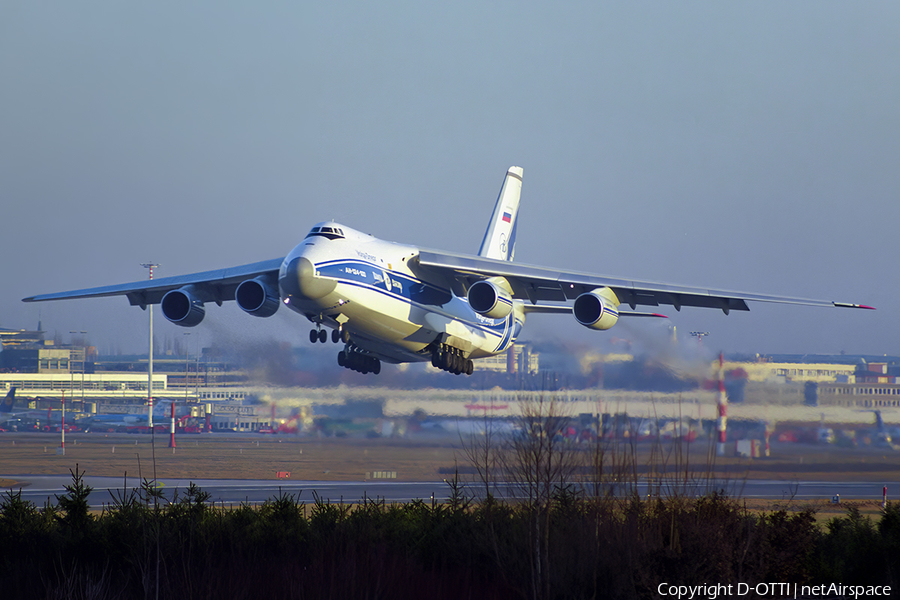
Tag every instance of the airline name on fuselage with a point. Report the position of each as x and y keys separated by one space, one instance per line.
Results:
x=355 y=271
x=367 y=256
x=378 y=275
x=483 y=319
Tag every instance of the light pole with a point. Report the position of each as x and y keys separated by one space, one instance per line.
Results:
x=187 y=358
x=62 y=427
x=83 y=356
x=197 y=373
x=150 y=266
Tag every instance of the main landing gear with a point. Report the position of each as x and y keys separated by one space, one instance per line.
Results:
x=351 y=357
x=321 y=335
x=450 y=359
x=355 y=360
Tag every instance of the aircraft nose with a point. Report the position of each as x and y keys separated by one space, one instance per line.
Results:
x=300 y=279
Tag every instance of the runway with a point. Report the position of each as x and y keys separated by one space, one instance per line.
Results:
x=40 y=489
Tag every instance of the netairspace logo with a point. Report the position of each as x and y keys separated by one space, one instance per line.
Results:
x=711 y=591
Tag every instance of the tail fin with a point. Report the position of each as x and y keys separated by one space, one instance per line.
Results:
x=7 y=403
x=500 y=238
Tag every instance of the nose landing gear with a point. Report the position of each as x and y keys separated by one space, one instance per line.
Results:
x=321 y=335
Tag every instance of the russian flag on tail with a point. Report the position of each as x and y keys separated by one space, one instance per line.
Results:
x=507 y=217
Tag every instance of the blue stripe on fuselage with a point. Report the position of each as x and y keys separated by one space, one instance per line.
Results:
x=505 y=338
x=405 y=288
x=511 y=333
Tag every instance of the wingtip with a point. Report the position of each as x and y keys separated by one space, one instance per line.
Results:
x=848 y=305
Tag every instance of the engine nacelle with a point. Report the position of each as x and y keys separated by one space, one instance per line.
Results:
x=491 y=297
x=257 y=297
x=182 y=307
x=597 y=309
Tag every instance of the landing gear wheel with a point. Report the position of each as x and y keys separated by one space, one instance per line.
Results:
x=450 y=359
x=335 y=336
x=323 y=336
x=313 y=336
x=345 y=336
x=355 y=360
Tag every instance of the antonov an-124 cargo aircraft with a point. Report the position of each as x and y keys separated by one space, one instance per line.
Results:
x=393 y=303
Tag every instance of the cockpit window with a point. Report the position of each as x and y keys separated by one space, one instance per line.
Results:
x=331 y=233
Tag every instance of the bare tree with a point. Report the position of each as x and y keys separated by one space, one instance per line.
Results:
x=539 y=460
x=480 y=449
x=612 y=467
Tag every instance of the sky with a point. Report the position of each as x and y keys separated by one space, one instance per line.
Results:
x=737 y=146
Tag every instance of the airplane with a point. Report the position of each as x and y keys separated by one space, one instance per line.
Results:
x=878 y=435
x=8 y=413
x=6 y=406
x=113 y=421
x=161 y=415
x=395 y=303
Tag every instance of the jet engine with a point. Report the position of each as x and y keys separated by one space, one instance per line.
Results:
x=182 y=307
x=257 y=297
x=491 y=297
x=597 y=309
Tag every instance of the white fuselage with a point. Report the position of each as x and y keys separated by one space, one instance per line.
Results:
x=390 y=307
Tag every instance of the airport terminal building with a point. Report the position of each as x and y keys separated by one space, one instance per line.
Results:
x=862 y=382
x=45 y=374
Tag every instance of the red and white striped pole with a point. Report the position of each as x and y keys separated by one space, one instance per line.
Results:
x=723 y=408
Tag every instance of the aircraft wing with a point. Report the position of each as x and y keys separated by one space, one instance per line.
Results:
x=541 y=284
x=209 y=286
